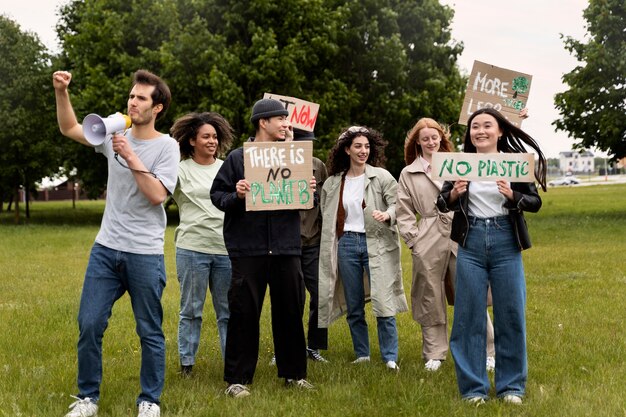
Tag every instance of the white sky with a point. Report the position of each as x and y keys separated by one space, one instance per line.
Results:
x=518 y=35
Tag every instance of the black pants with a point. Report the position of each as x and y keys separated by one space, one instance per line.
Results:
x=317 y=338
x=251 y=276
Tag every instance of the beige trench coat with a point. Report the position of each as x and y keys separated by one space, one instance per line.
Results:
x=385 y=289
x=432 y=250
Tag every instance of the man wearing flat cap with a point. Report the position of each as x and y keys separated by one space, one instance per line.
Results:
x=264 y=248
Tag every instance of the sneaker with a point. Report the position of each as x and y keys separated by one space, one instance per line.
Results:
x=237 y=391
x=432 y=365
x=392 y=365
x=512 y=399
x=148 y=409
x=298 y=383
x=82 y=407
x=491 y=364
x=362 y=359
x=315 y=355
x=273 y=360
x=477 y=401
x=186 y=371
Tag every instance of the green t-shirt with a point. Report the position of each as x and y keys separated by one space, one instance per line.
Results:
x=201 y=223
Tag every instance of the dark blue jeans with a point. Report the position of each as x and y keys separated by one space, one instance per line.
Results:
x=110 y=273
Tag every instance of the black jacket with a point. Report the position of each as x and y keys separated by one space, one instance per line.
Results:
x=252 y=233
x=525 y=198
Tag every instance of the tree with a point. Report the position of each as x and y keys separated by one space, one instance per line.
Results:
x=381 y=63
x=28 y=141
x=593 y=109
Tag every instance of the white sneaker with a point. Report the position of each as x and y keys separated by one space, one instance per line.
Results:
x=491 y=364
x=273 y=360
x=82 y=407
x=148 y=409
x=237 y=391
x=298 y=383
x=432 y=365
x=392 y=365
x=512 y=399
x=476 y=401
x=361 y=359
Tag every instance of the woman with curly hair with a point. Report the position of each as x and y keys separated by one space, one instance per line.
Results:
x=201 y=258
x=490 y=229
x=360 y=248
x=428 y=237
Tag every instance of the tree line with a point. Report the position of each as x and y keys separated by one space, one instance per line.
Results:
x=380 y=63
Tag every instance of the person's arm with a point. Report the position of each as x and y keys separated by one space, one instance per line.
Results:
x=389 y=190
x=229 y=188
x=68 y=124
x=150 y=186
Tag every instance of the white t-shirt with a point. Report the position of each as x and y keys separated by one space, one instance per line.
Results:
x=201 y=227
x=130 y=223
x=353 y=193
x=485 y=200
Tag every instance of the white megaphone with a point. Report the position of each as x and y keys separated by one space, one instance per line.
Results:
x=96 y=128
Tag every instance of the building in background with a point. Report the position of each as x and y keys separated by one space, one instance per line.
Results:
x=573 y=162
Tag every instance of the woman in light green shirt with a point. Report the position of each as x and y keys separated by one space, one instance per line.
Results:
x=201 y=258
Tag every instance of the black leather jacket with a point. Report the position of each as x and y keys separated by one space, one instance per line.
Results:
x=525 y=198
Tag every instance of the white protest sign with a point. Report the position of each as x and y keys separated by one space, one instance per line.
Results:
x=302 y=114
x=512 y=167
x=500 y=88
x=279 y=174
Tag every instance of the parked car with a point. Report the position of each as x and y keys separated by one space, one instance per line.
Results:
x=569 y=180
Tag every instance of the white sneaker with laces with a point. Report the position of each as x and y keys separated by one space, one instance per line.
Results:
x=491 y=364
x=82 y=407
x=148 y=409
x=432 y=365
x=299 y=383
x=392 y=365
x=361 y=359
x=512 y=399
x=237 y=391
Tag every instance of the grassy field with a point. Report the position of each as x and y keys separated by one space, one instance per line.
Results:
x=576 y=334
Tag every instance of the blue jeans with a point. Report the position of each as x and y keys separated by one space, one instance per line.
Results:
x=353 y=261
x=491 y=256
x=198 y=271
x=110 y=273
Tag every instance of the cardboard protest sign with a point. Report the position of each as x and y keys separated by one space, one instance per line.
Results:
x=490 y=86
x=302 y=114
x=279 y=174
x=512 y=167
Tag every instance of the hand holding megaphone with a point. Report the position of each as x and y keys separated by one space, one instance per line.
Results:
x=96 y=128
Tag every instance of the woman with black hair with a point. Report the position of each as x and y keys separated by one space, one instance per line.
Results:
x=201 y=258
x=360 y=248
x=490 y=229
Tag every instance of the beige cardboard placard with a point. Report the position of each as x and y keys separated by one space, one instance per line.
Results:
x=302 y=114
x=279 y=174
x=503 y=89
x=512 y=167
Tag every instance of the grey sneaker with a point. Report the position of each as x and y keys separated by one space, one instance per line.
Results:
x=476 y=401
x=315 y=355
x=299 y=383
x=82 y=407
x=361 y=359
x=148 y=409
x=237 y=391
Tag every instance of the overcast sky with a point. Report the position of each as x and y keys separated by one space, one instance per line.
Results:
x=517 y=35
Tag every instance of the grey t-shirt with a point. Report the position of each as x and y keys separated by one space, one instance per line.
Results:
x=130 y=223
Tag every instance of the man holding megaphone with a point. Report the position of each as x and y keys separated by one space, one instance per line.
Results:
x=128 y=252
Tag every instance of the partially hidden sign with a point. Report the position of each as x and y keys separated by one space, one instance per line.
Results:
x=490 y=86
x=279 y=174
x=512 y=167
x=302 y=114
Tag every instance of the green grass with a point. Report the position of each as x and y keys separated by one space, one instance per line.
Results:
x=576 y=332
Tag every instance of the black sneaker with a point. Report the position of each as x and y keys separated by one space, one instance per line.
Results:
x=315 y=355
x=186 y=370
